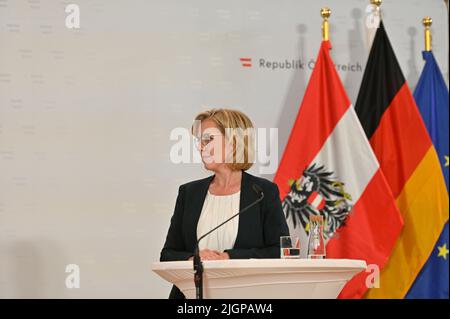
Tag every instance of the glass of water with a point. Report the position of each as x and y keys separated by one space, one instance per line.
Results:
x=316 y=241
x=290 y=247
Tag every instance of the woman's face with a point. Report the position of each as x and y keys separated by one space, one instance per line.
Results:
x=211 y=146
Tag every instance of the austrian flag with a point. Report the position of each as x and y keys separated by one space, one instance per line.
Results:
x=329 y=168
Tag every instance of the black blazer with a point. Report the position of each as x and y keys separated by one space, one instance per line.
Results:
x=259 y=228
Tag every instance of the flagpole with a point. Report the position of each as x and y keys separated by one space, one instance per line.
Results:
x=325 y=13
x=427 y=21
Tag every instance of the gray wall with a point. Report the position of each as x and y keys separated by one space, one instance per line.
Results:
x=86 y=116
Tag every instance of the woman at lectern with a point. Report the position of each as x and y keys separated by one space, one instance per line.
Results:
x=225 y=139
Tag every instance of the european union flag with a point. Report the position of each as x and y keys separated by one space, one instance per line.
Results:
x=431 y=96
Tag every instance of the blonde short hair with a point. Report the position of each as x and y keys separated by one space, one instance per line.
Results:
x=235 y=121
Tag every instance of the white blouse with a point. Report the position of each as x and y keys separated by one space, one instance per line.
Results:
x=216 y=209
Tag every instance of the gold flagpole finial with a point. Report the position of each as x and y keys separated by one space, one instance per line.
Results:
x=427 y=22
x=377 y=4
x=325 y=13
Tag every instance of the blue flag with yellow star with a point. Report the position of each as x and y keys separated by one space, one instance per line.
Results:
x=431 y=95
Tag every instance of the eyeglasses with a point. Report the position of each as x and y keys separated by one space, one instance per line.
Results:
x=205 y=139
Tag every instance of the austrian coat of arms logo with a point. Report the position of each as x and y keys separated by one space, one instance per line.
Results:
x=316 y=192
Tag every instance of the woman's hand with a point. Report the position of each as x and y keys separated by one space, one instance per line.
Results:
x=224 y=256
x=208 y=254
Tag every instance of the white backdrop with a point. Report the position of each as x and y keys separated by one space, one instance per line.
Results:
x=86 y=116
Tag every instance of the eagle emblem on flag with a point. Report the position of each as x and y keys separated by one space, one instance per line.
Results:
x=317 y=192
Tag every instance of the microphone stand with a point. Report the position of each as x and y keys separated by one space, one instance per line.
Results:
x=198 y=264
x=198 y=276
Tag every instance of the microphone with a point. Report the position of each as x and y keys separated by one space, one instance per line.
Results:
x=198 y=265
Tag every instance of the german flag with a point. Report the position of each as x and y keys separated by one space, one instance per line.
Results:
x=408 y=159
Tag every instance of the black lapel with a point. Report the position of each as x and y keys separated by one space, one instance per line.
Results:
x=248 y=195
x=197 y=199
